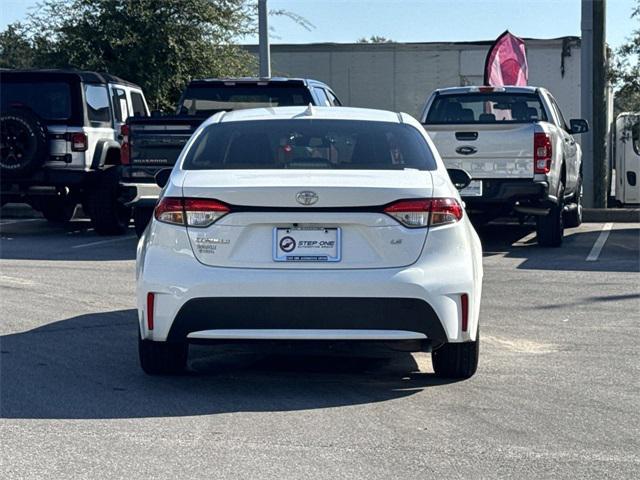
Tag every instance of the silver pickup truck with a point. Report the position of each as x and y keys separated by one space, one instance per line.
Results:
x=517 y=147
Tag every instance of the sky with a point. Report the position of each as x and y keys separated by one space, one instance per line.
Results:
x=345 y=21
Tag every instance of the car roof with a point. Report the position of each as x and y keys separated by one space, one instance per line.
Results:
x=477 y=88
x=315 y=112
x=258 y=80
x=81 y=75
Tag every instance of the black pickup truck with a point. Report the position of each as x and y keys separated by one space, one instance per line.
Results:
x=151 y=144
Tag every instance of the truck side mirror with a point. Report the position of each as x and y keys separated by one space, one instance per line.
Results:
x=460 y=178
x=162 y=177
x=578 y=125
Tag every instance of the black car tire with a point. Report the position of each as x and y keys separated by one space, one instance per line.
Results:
x=550 y=227
x=108 y=215
x=141 y=218
x=456 y=360
x=162 y=358
x=573 y=218
x=58 y=209
x=23 y=142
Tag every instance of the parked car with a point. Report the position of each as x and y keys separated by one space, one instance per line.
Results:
x=154 y=143
x=626 y=158
x=303 y=223
x=519 y=150
x=60 y=142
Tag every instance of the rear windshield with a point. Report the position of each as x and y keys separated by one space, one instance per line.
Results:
x=50 y=100
x=307 y=143
x=205 y=100
x=494 y=107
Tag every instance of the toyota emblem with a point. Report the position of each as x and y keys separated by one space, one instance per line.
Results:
x=306 y=197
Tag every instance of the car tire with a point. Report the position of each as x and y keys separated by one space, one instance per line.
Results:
x=108 y=215
x=141 y=218
x=550 y=227
x=24 y=142
x=58 y=209
x=162 y=358
x=456 y=360
x=573 y=218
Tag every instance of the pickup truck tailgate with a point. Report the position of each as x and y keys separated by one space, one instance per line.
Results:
x=486 y=151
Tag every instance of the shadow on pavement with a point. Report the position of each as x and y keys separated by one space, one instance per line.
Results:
x=86 y=367
x=621 y=252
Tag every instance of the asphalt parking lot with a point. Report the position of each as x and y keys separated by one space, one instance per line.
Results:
x=556 y=394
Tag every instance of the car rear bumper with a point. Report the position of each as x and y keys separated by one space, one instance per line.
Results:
x=140 y=194
x=509 y=191
x=423 y=299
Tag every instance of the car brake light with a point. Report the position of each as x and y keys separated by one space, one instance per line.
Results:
x=425 y=212
x=150 y=305
x=78 y=142
x=125 y=150
x=464 y=304
x=192 y=212
x=542 y=153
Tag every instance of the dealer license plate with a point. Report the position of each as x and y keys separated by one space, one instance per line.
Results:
x=306 y=244
x=474 y=189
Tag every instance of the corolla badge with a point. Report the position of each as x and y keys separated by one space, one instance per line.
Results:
x=306 y=197
x=466 y=150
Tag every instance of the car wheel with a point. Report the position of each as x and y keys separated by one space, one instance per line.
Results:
x=456 y=360
x=141 y=218
x=573 y=218
x=162 y=358
x=58 y=209
x=108 y=215
x=550 y=227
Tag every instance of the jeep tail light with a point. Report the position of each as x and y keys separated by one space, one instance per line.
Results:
x=125 y=150
x=192 y=212
x=542 y=153
x=78 y=142
x=425 y=212
x=150 y=305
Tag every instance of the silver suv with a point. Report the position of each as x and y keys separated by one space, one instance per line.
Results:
x=60 y=143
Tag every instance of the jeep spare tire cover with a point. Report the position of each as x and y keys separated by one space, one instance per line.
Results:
x=23 y=142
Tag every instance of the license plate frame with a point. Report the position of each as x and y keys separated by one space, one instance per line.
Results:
x=314 y=253
x=474 y=189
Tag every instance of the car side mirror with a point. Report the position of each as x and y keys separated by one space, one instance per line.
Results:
x=162 y=177
x=460 y=178
x=578 y=125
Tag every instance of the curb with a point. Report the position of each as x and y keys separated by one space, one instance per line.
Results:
x=620 y=215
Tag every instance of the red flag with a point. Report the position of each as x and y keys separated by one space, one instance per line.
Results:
x=506 y=62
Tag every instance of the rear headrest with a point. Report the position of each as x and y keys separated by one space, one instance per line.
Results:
x=486 y=117
x=466 y=115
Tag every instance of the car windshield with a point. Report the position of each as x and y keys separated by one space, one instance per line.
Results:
x=309 y=143
x=493 y=107
x=50 y=100
x=207 y=100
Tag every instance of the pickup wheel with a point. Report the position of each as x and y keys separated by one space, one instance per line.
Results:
x=573 y=218
x=58 y=209
x=456 y=360
x=141 y=218
x=162 y=358
x=550 y=227
x=108 y=215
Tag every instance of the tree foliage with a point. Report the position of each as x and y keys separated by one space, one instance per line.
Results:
x=159 y=44
x=375 y=39
x=625 y=70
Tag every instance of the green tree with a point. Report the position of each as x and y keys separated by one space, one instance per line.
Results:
x=159 y=44
x=625 y=70
x=375 y=39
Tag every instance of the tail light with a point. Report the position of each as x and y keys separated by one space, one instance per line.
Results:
x=425 y=212
x=150 y=305
x=125 y=151
x=78 y=142
x=464 y=304
x=192 y=212
x=542 y=153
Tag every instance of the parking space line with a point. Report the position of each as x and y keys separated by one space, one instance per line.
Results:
x=11 y=222
x=600 y=241
x=101 y=242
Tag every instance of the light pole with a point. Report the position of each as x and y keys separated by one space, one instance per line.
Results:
x=263 y=34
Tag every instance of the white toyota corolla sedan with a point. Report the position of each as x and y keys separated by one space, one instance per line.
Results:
x=324 y=224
